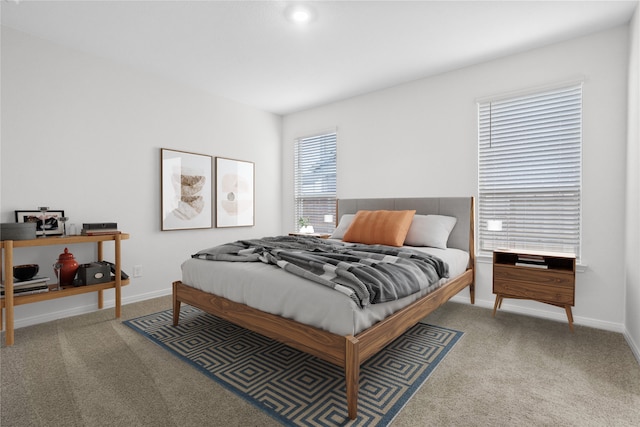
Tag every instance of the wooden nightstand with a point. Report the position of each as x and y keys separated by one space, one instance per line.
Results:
x=320 y=235
x=546 y=277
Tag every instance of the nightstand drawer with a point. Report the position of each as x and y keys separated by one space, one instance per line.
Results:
x=534 y=290
x=542 y=277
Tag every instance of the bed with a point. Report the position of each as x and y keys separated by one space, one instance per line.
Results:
x=339 y=332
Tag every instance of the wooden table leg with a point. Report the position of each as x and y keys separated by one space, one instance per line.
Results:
x=118 y=273
x=569 y=316
x=497 y=304
x=8 y=297
x=100 y=293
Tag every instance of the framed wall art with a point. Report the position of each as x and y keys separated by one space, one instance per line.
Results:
x=234 y=193
x=187 y=185
x=47 y=220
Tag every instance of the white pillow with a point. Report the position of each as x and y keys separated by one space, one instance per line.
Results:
x=430 y=230
x=343 y=224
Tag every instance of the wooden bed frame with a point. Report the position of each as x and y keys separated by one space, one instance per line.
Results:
x=350 y=351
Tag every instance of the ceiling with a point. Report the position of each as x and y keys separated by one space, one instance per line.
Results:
x=248 y=51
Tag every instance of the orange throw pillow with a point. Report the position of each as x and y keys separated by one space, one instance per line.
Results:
x=379 y=227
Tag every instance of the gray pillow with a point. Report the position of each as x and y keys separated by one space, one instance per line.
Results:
x=430 y=230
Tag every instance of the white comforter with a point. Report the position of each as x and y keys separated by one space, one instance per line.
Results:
x=270 y=289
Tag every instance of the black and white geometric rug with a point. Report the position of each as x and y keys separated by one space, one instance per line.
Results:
x=293 y=387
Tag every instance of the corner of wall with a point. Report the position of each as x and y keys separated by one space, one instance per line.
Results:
x=632 y=277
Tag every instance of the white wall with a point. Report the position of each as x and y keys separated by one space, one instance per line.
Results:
x=420 y=139
x=632 y=308
x=84 y=134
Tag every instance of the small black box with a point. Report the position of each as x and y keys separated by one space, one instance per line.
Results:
x=93 y=272
x=97 y=226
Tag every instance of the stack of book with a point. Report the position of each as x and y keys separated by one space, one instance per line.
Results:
x=529 y=260
x=99 y=228
x=26 y=287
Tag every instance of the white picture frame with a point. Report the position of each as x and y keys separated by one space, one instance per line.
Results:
x=235 y=193
x=186 y=187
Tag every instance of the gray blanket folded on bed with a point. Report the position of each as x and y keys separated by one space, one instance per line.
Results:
x=368 y=274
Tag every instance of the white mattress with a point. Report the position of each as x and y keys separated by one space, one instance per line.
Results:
x=273 y=290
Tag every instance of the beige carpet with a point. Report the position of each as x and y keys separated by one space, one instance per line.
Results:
x=92 y=370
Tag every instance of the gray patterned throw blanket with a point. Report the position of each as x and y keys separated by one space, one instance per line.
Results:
x=368 y=274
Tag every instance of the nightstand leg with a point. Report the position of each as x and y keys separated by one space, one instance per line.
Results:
x=497 y=304
x=569 y=316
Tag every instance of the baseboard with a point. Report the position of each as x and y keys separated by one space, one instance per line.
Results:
x=89 y=308
x=635 y=349
x=144 y=297
x=545 y=314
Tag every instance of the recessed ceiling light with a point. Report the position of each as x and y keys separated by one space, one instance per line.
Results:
x=299 y=14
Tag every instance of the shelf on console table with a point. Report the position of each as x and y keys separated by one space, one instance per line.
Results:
x=10 y=300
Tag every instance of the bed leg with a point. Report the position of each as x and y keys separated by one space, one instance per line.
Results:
x=176 y=305
x=472 y=292
x=352 y=375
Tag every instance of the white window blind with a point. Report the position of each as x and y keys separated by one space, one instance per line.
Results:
x=316 y=181
x=530 y=171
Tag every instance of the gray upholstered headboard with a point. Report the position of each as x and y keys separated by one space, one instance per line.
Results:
x=461 y=207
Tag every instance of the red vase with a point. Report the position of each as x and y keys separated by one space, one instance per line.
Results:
x=68 y=267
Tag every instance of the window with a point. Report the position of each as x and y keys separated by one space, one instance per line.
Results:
x=530 y=171
x=316 y=181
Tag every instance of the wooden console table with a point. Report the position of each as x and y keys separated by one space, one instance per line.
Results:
x=9 y=301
